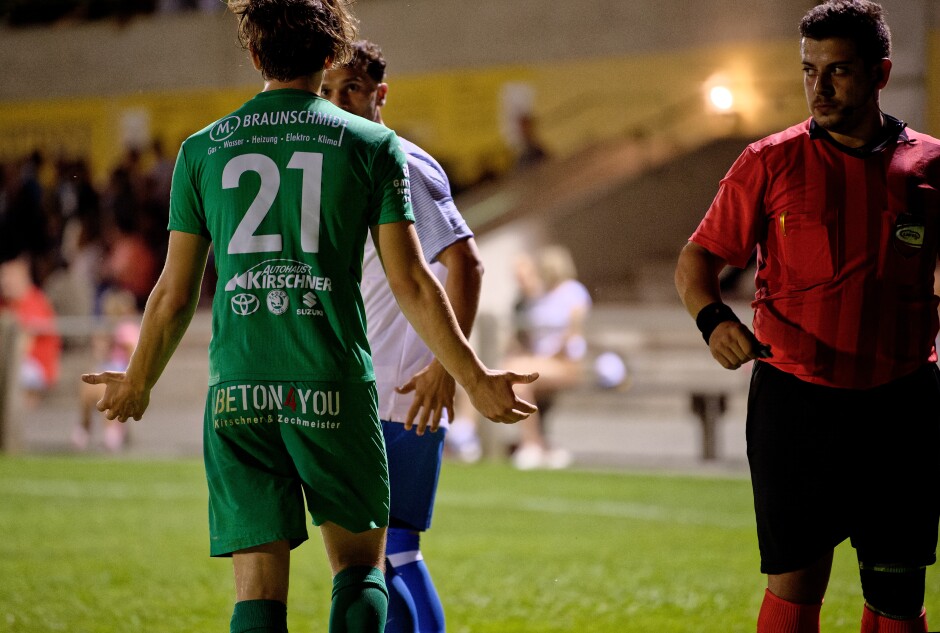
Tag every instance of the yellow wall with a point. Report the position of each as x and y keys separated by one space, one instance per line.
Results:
x=457 y=115
x=92 y=127
x=933 y=83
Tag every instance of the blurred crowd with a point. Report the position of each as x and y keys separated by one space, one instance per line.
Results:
x=81 y=238
x=71 y=247
x=18 y=13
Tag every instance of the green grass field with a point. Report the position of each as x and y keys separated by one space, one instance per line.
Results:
x=99 y=546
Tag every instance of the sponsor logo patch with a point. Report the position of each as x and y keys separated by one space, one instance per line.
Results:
x=910 y=234
x=225 y=128
x=277 y=302
x=244 y=304
x=274 y=281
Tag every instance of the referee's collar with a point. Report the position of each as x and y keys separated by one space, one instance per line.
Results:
x=894 y=131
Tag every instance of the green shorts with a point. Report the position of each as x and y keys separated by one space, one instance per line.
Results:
x=268 y=445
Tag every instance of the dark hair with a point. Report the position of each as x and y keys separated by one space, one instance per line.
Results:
x=367 y=56
x=294 y=38
x=858 y=20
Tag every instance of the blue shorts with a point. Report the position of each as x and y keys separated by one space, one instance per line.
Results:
x=414 y=467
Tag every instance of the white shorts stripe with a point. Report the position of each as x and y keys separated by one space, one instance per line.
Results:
x=405 y=558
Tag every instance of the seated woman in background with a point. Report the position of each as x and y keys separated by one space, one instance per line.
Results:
x=550 y=318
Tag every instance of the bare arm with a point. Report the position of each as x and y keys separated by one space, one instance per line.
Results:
x=433 y=386
x=697 y=277
x=731 y=343
x=423 y=302
x=464 y=281
x=574 y=333
x=168 y=313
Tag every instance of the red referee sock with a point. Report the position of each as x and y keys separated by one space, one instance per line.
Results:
x=780 y=616
x=876 y=623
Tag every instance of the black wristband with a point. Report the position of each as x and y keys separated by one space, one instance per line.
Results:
x=711 y=315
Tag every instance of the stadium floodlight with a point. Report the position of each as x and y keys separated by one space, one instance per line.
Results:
x=721 y=98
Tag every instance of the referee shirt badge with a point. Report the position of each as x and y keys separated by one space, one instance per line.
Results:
x=908 y=234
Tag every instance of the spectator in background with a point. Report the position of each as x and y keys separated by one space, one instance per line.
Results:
x=175 y=6
x=78 y=201
x=529 y=287
x=35 y=12
x=160 y=170
x=112 y=346
x=532 y=151
x=550 y=317
x=125 y=187
x=24 y=226
x=80 y=252
x=155 y=199
x=131 y=261
x=41 y=344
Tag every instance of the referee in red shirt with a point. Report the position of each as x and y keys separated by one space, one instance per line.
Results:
x=843 y=429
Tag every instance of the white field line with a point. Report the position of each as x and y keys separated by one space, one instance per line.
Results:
x=603 y=509
x=67 y=489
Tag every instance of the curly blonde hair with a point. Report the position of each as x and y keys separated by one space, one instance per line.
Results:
x=555 y=265
x=295 y=38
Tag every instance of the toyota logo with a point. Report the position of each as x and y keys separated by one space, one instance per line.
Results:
x=244 y=304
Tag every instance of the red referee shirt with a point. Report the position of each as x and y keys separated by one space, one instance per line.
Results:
x=846 y=250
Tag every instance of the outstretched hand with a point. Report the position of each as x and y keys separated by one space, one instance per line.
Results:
x=493 y=396
x=434 y=393
x=122 y=400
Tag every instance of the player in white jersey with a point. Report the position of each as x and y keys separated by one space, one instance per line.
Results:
x=286 y=189
x=415 y=393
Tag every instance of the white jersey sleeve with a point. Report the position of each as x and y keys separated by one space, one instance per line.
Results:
x=397 y=350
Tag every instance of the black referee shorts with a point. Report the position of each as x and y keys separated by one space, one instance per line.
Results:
x=829 y=464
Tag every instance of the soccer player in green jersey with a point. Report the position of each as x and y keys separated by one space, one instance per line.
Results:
x=285 y=189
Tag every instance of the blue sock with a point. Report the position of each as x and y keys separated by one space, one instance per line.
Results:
x=416 y=602
x=402 y=614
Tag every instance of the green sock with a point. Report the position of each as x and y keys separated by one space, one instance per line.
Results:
x=259 y=616
x=360 y=601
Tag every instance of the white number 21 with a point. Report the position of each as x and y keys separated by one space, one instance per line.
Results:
x=245 y=240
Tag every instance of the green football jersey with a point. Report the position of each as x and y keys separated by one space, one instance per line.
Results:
x=286 y=188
